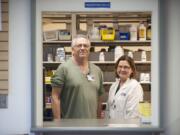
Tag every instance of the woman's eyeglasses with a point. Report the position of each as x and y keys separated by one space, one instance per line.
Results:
x=124 y=67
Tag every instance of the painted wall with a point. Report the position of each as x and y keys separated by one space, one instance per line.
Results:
x=170 y=65
x=16 y=118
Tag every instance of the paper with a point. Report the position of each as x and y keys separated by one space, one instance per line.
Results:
x=122 y=125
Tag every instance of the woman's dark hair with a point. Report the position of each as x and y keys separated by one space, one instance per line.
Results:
x=131 y=63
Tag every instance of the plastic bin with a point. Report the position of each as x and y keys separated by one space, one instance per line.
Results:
x=94 y=56
x=50 y=35
x=109 y=56
x=108 y=34
x=124 y=35
x=109 y=76
x=64 y=35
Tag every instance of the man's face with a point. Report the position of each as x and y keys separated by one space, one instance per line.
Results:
x=81 y=49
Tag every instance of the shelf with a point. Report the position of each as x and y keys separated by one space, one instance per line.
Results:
x=120 y=41
x=109 y=83
x=48 y=106
x=56 y=42
x=97 y=62
x=103 y=43
x=143 y=83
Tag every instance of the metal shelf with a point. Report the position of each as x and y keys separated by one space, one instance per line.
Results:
x=97 y=62
x=143 y=83
x=104 y=43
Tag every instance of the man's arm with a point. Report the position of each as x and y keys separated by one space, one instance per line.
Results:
x=56 y=103
x=99 y=109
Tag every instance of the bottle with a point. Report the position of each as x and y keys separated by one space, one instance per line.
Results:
x=142 y=32
x=118 y=52
x=149 y=32
x=144 y=109
x=101 y=56
x=130 y=54
x=50 y=57
x=60 y=54
x=133 y=32
x=95 y=35
x=142 y=77
x=147 y=77
x=143 y=56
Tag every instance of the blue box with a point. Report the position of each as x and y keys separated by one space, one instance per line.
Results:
x=124 y=35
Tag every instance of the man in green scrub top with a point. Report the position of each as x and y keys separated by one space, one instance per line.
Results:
x=77 y=85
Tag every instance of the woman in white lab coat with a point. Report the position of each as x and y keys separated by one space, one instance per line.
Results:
x=126 y=92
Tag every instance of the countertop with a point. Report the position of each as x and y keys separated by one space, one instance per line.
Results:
x=76 y=126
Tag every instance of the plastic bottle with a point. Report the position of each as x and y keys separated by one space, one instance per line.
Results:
x=118 y=52
x=95 y=34
x=143 y=56
x=101 y=56
x=133 y=32
x=60 y=54
x=50 y=57
x=142 y=32
x=149 y=32
x=130 y=54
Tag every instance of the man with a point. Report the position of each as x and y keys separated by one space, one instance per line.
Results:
x=77 y=85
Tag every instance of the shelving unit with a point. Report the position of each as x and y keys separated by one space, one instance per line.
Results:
x=82 y=23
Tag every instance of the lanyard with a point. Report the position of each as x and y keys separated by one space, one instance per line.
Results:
x=117 y=88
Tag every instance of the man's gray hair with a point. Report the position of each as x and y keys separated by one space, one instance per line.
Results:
x=74 y=41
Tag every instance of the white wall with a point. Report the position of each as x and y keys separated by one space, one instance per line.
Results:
x=170 y=65
x=16 y=118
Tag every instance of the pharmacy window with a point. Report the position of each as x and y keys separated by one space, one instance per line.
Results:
x=123 y=47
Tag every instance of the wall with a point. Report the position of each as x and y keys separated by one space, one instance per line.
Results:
x=4 y=45
x=170 y=65
x=16 y=118
x=116 y=5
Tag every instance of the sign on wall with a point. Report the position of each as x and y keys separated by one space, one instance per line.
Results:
x=97 y=4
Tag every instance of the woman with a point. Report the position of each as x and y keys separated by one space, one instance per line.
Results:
x=126 y=93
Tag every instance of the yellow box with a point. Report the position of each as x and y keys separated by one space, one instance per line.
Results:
x=47 y=80
x=108 y=34
x=145 y=109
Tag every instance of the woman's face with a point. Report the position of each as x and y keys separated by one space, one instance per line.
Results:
x=124 y=70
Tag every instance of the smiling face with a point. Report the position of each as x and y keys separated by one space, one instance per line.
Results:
x=124 y=70
x=81 y=48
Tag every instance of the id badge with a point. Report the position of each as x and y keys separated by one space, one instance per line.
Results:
x=90 y=77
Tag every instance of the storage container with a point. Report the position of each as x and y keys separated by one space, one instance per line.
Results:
x=50 y=35
x=124 y=32
x=109 y=76
x=64 y=35
x=108 y=34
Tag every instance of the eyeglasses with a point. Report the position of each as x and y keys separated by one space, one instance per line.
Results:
x=82 y=45
x=124 y=67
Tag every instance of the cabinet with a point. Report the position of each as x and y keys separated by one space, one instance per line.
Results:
x=114 y=30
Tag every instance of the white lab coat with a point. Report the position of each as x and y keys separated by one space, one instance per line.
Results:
x=124 y=104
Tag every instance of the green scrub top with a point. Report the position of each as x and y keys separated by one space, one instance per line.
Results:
x=80 y=92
